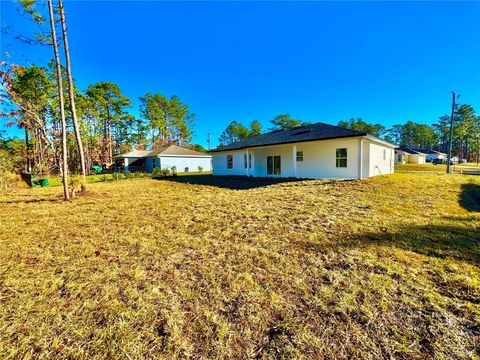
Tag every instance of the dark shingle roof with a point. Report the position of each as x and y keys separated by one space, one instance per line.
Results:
x=411 y=151
x=317 y=131
x=431 y=152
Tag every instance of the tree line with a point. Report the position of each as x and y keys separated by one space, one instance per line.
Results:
x=69 y=130
x=421 y=136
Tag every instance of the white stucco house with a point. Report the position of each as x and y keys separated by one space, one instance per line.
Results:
x=434 y=155
x=316 y=151
x=409 y=156
x=183 y=159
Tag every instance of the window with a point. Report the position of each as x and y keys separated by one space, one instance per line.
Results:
x=274 y=165
x=342 y=158
x=384 y=154
x=250 y=161
x=153 y=164
x=399 y=157
x=245 y=160
x=229 y=161
x=299 y=155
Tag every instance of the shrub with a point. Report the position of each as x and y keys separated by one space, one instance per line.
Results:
x=75 y=185
x=116 y=176
x=200 y=169
x=127 y=174
x=157 y=172
x=165 y=171
x=174 y=171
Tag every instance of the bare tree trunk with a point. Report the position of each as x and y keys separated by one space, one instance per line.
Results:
x=28 y=164
x=64 y=171
x=72 y=97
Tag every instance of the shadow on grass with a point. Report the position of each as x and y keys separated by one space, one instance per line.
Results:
x=31 y=201
x=460 y=242
x=228 y=182
x=470 y=197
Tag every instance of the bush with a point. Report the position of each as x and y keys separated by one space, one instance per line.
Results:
x=174 y=171
x=75 y=185
x=165 y=171
x=200 y=169
x=127 y=174
x=157 y=172
x=116 y=176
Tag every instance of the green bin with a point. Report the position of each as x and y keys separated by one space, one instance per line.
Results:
x=43 y=182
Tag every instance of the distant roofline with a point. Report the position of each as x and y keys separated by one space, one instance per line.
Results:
x=160 y=153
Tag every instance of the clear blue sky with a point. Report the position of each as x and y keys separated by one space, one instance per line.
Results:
x=319 y=61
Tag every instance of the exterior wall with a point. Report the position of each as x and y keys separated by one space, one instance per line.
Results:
x=431 y=157
x=149 y=163
x=219 y=163
x=381 y=160
x=182 y=162
x=319 y=159
x=416 y=159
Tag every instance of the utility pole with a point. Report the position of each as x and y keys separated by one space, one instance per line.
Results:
x=449 y=156
x=209 y=139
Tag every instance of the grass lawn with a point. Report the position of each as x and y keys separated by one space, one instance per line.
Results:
x=57 y=181
x=227 y=268
x=436 y=168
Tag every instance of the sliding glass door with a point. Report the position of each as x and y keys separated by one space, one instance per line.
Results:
x=274 y=165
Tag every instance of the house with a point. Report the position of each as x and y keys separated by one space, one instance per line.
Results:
x=433 y=155
x=184 y=160
x=316 y=151
x=409 y=156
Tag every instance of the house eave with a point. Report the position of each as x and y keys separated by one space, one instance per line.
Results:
x=289 y=142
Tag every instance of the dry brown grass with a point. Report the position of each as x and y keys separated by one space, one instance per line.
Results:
x=386 y=267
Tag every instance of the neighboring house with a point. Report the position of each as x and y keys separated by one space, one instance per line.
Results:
x=433 y=155
x=409 y=156
x=317 y=151
x=185 y=160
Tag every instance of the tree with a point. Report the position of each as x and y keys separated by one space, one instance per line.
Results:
x=285 y=121
x=463 y=126
x=255 y=128
x=413 y=135
x=197 y=147
x=64 y=169
x=360 y=125
x=169 y=120
x=29 y=91
x=234 y=132
x=110 y=107
x=72 y=98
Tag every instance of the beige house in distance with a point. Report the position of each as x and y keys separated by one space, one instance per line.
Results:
x=409 y=156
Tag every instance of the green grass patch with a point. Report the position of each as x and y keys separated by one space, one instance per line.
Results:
x=207 y=267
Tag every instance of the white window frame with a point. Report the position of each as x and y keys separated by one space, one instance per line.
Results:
x=229 y=163
x=340 y=158
x=299 y=155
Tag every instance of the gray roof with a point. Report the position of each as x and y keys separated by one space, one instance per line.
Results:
x=312 y=132
x=172 y=150
x=410 y=151
x=432 y=152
